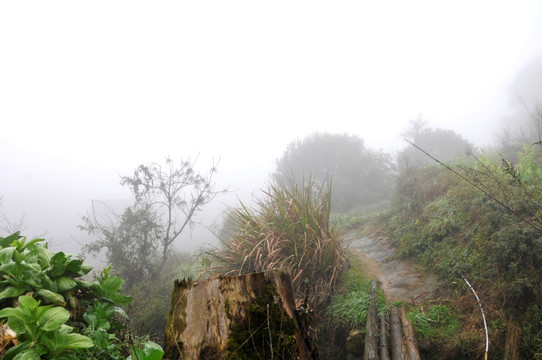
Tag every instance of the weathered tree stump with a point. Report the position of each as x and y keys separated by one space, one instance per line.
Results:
x=250 y=316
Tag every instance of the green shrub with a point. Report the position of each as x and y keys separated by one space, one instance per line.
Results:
x=41 y=331
x=436 y=323
x=349 y=307
x=486 y=226
x=72 y=305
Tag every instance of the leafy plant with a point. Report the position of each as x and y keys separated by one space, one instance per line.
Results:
x=41 y=330
x=150 y=351
x=479 y=219
x=28 y=266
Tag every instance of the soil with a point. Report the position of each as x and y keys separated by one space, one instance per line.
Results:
x=400 y=280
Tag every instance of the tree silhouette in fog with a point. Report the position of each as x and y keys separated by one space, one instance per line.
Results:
x=359 y=175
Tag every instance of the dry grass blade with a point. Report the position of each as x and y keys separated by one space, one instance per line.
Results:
x=289 y=227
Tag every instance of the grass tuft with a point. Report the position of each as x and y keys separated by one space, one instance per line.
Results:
x=289 y=226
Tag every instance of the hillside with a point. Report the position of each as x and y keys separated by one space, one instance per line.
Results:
x=478 y=220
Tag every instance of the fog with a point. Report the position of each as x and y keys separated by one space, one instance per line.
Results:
x=88 y=91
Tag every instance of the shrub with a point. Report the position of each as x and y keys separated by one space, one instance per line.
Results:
x=289 y=227
x=77 y=318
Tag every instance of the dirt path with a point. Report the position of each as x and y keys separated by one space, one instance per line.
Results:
x=399 y=278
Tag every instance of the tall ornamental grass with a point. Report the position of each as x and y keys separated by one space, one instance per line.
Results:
x=289 y=226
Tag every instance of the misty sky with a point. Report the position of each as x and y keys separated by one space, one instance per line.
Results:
x=89 y=90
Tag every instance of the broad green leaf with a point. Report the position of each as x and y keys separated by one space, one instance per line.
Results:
x=31 y=266
x=110 y=286
x=65 y=283
x=44 y=256
x=151 y=351
x=85 y=269
x=109 y=290
x=28 y=302
x=74 y=265
x=41 y=310
x=12 y=353
x=7 y=241
x=33 y=241
x=48 y=283
x=31 y=257
x=66 y=329
x=59 y=262
x=77 y=341
x=136 y=354
x=53 y=318
x=10 y=292
x=7 y=267
x=11 y=312
x=52 y=297
x=154 y=355
x=18 y=325
x=121 y=311
x=30 y=354
x=6 y=255
x=34 y=282
x=83 y=284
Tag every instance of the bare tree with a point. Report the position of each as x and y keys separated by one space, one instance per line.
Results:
x=8 y=226
x=166 y=198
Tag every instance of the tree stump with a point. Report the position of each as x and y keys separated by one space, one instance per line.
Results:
x=250 y=316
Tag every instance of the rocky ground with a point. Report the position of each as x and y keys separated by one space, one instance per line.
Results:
x=399 y=279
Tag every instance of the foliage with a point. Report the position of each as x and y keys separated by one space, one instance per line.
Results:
x=148 y=313
x=485 y=225
x=347 y=222
x=289 y=228
x=27 y=266
x=72 y=304
x=139 y=242
x=150 y=351
x=446 y=145
x=41 y=331
x=435 y=323
x=360 y=175
x=131 y=244
x=266 y=332
x=350 y=306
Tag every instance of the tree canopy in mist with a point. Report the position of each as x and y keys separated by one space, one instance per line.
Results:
x=359 y=175
x=443 y=144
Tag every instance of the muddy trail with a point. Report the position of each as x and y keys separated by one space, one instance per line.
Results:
x=399 y=279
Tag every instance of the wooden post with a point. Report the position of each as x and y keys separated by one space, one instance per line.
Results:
x=384 y=344
x=249 y=316
x=410 y=338
x=371 y=333
x=397 y=351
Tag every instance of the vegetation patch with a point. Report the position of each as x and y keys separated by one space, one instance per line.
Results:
x=480 y=220
x=350 y=306
x=49 y=312
x=289 y=227
x=266 y=332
